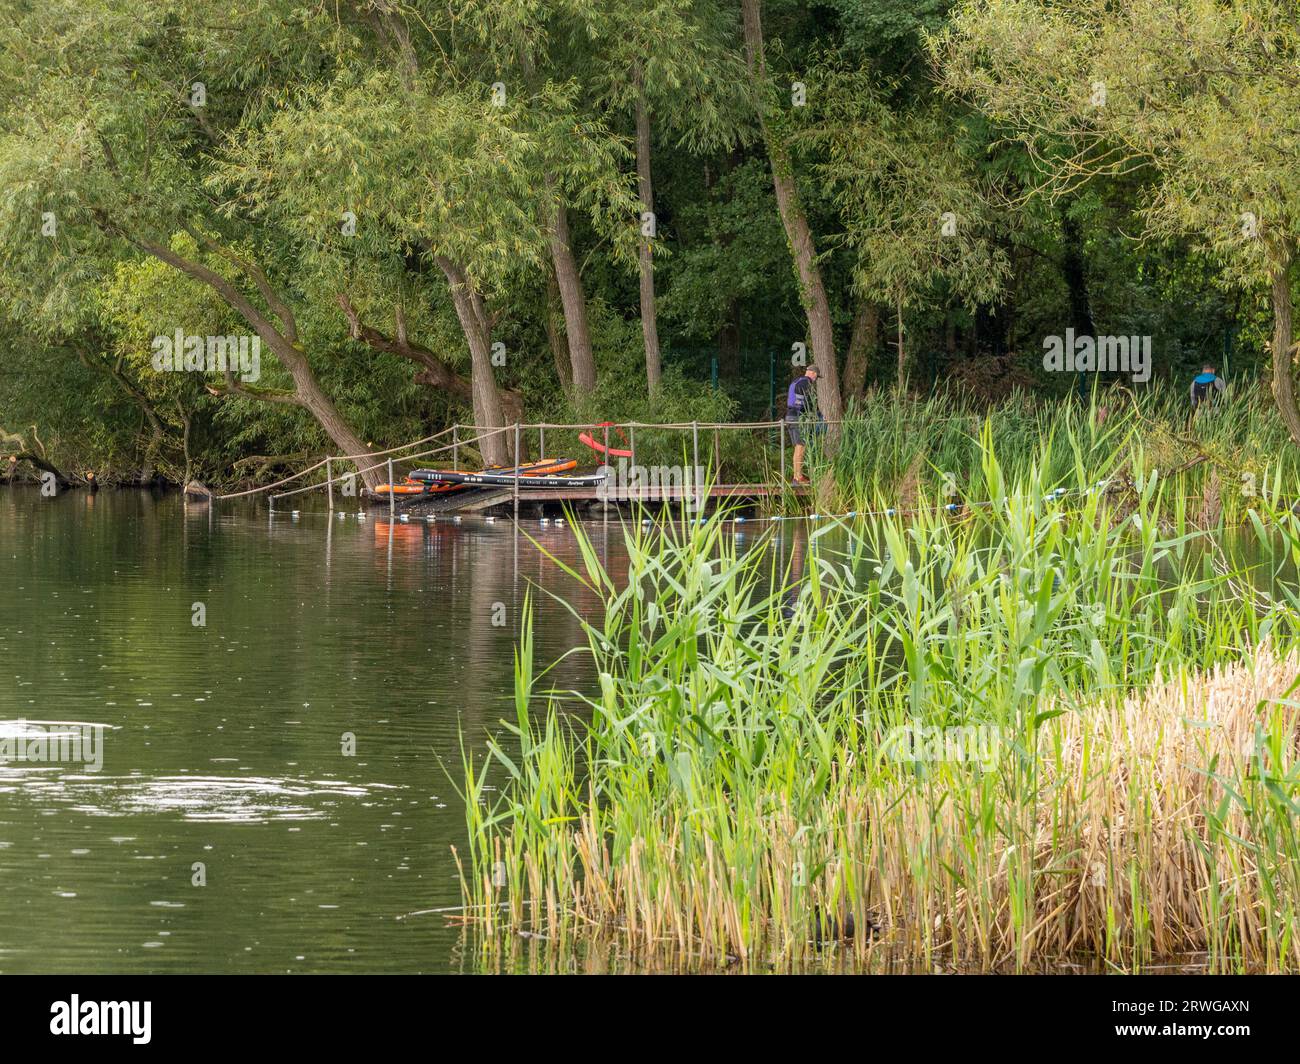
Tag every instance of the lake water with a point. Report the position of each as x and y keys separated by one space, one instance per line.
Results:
x=224 y=742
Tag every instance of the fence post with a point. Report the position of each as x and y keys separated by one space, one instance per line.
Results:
x=631 y=439
x=329 y=479
x=518 y=435
x=392 y=495
x=455 y=446
x=541 y=442
x=780 y=429
x=695 y=450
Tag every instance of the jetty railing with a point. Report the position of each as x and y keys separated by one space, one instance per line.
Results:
x=407 y=452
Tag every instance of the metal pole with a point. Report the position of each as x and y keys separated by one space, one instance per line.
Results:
x=329 y=479
x=392 y=495
x=541 y=442
x=518 y=438
x=780 y=428
x=631 y=441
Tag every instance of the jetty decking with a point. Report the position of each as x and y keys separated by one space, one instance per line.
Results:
x=485 y=500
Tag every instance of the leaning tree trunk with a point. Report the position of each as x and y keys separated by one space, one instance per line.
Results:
x=574 y=301
x=555 y=334
x=282 y=341
x=862 y=342
x=649 y=319
x=313 y=398
x=488 y=414
x=1283 y=376
x=812 y=291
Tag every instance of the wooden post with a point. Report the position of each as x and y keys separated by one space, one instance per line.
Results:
x=329 y=479
x=518 y=438
x=392 y=495
x=541 y=443
x=717 y=454
x=631 y=440
x=455 y=446
x=780 y=428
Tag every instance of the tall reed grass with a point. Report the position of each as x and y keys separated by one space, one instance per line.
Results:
x=904 y=450
x=738 y=786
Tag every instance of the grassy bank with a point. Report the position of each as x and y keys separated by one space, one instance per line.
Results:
x=1033 y=734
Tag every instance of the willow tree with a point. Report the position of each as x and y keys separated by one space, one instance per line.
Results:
x=803 y=248
x=379 y=166
x=917 y=211
x=515 y=39
x=1199 y=95
x=667 y=64
x=113 y=116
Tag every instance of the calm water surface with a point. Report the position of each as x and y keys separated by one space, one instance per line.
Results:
x=224 y=742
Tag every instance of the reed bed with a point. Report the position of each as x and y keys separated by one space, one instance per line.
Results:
x=1028 y=735
x=902 y=450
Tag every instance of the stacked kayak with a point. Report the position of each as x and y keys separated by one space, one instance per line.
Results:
x=532 y=477
x=547 y=473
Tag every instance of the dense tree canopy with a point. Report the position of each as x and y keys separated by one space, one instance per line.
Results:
x=490 y=212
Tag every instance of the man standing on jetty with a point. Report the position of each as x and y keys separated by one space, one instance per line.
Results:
x=801 y=401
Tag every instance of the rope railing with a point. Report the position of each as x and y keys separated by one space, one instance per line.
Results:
x=407 y=458
x=268 y=487
x=485 y=432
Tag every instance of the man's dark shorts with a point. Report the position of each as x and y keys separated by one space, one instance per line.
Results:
x=797 y=429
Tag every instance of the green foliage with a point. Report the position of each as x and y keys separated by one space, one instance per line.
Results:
x=915 y=111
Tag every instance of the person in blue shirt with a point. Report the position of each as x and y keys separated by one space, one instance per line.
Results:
x=1205 y=385
x=801 y=403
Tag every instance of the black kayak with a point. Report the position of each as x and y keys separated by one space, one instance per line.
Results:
x=507 y=479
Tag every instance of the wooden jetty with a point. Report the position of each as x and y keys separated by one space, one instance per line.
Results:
x=768 y=437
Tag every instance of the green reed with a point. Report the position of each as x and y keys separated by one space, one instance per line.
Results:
x=731 y=788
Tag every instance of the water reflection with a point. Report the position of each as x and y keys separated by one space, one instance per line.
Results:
x=224 y=742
